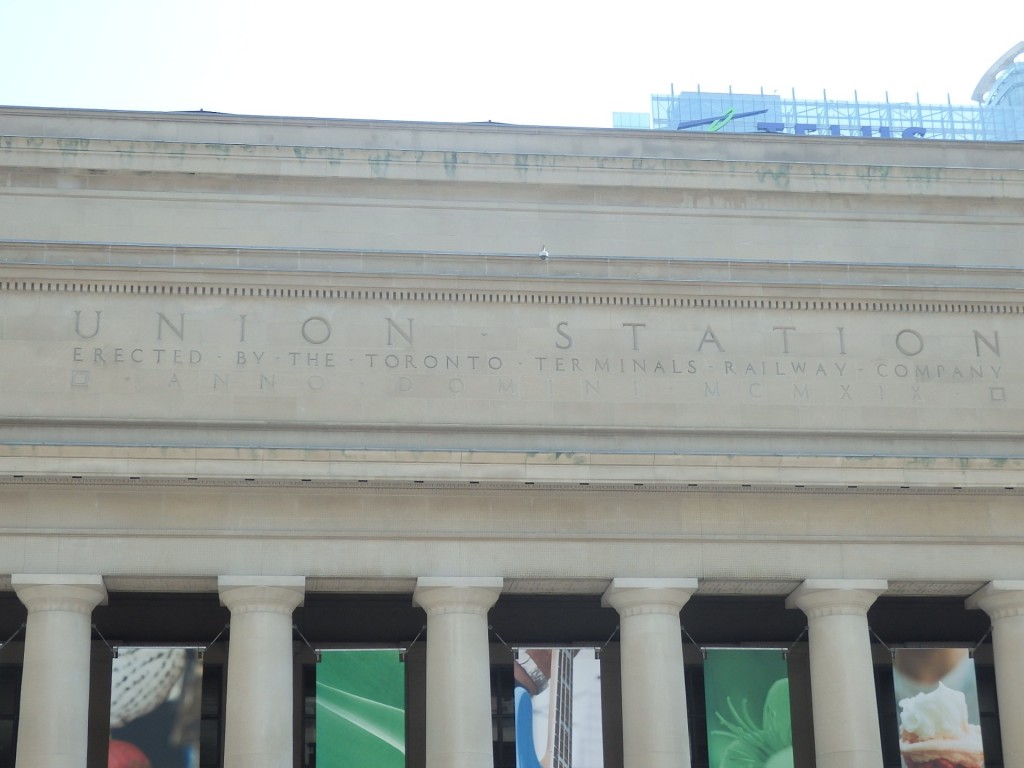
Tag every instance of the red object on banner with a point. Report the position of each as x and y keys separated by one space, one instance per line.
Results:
x=123 y=754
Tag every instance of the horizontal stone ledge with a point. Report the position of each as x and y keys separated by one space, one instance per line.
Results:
x=209 y=271
x=368 y=585
x=544 y=168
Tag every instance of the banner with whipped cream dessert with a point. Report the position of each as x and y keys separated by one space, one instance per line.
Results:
x=155 y=707
x=746 y=692
x=558 y=708
x=939 y=722
x=360 y=709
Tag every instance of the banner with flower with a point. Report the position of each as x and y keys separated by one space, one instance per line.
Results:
x=937 y=697
x=360 y=709
x=155 y=708
x=748 y=716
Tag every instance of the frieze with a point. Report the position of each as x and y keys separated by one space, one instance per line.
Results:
x=379 y=357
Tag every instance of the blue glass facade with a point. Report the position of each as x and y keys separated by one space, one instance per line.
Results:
x=999 y=115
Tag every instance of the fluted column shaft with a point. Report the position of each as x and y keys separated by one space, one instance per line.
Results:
x=1003 y=601
x=258 y=730
x=458 y=670
x=53 y=724
x=654 y=723
x=846 y=733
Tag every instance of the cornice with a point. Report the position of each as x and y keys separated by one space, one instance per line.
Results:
x=327 y=450
x=501 y=278
x=585 y=167
x=384 y=486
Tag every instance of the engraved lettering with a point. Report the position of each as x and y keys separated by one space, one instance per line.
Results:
x=78 y=325
x=785 y=336
x=909 y=342
x=162 y=320
x=636 y=338
x=709 y=338
x=992 y=345
x=405 y=334
x=560 y=330
x=316 y=330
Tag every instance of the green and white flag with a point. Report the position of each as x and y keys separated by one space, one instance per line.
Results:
x=747 y=699
x=360 y=709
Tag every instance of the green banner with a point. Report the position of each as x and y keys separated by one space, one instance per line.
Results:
x=747 y=699
x=360 y=709
x=937 y=693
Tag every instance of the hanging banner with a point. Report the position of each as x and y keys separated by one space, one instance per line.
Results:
x=558 y=708
x=747 y=699
x=939 y=721
x=155 y=708
x=360 y=709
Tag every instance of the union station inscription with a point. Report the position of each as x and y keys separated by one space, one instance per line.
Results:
x=493 y=364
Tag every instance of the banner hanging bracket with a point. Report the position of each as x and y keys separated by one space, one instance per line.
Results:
x=316 y=651
x=16 y=632
x=111 y=648
x=892 y=651
x=201 y=652
x=970 y=652
x=703 y=651
x=785 y=651
x=404 y=651
x=597 y=651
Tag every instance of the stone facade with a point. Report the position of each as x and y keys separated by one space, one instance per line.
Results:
x=354 y=356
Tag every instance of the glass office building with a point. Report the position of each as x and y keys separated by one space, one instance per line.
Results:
x=997 y=115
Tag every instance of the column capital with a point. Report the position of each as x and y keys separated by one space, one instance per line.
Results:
x=634 y=596
x=267 y=594
x=59 y=592
x=461 y=594
x=999 y=599
x=831 y=597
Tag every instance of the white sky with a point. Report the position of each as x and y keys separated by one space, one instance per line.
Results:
x=546 y=62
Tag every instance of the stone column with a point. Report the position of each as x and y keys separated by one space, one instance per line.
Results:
x=258 y=728
x=843 y=700
x=53 y=724
x=1003 y=601
x=458 y=669
x=654 y=724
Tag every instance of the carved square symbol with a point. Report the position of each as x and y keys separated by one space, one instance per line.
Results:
x=998 y=394
x=79 y=378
